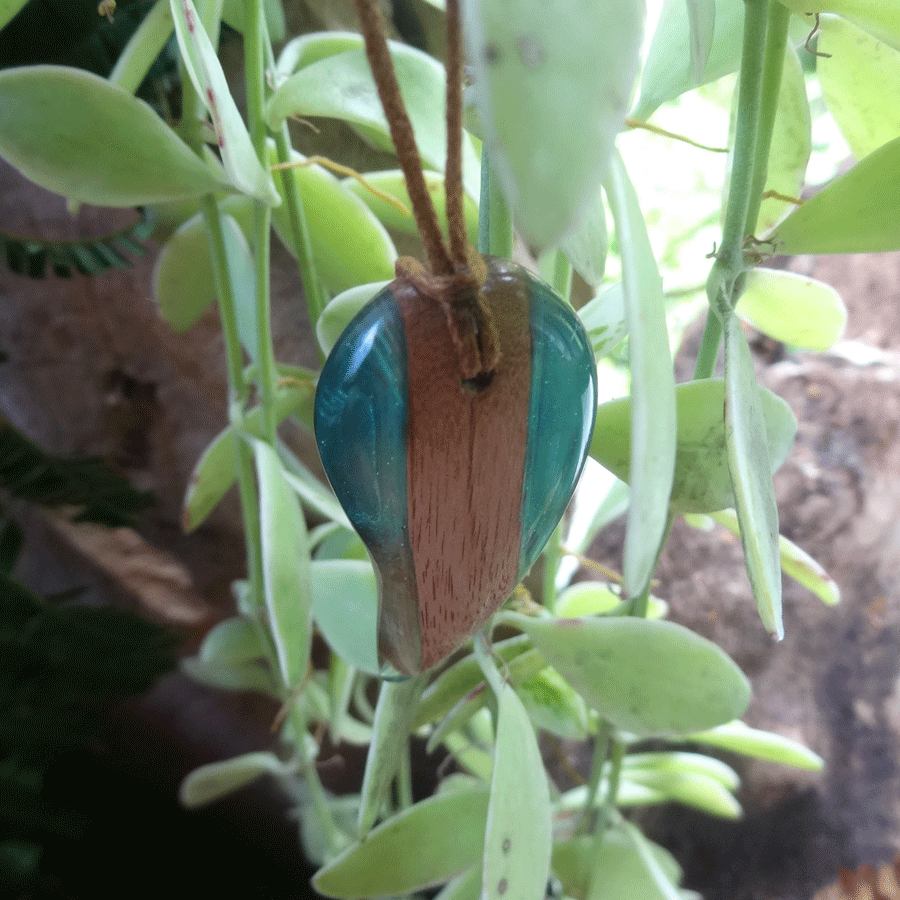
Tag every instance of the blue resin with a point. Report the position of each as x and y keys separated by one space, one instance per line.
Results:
x=561 y=412
x=360 y=422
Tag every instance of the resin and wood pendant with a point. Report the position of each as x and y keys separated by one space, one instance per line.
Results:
x=454 y=484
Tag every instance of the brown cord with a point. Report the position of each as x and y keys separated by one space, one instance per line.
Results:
x=453 y=177
x=402 y=135
x=453 y=282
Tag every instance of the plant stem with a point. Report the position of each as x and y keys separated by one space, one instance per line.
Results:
x=726 y=276
x=598 y=762
x=773 y=66
x=552 y=555
x=495 y=233
x=486 y=662
x=562 y=276
x=616 y=753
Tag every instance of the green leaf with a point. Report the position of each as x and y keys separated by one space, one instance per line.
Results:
x=651 y=862
x=393 y=184
x=795 y=563
x=233 y=641
x=215 y=471
x=679 y=762
x=337 y=315
x=349 y=244
x=791 y=143
x=307 y=49
x=424 y=845
x=80 y=136
x=653 y=417
x=593 y=598
x=748 y=452
x=860 y=78
x=550 y=130
x=701 y=21
x=286 y=567
x=345 y=609
x=310 y=490
x=615 y=871
x=341 y=87
x=879 y=18
x=737 y=737
x=586 y=246
x=702 y=481
x=205 y=71
x=554 y=706
x=228 y=677
x=671 y=66
x=233 y=14
x=794 y=309
x=856 y=213
x=519 y=837
x=605 y=320
x=646 y=677
x=394 y=714
x=8 y=9
x=99 y=494
x=463 y=887
x=216 y=780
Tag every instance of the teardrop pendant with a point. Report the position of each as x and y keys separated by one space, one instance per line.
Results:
x=454 y=485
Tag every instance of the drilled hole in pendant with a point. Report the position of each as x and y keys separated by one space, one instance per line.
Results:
x=481 y=382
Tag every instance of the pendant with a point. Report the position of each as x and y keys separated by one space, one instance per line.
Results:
x=454 y=486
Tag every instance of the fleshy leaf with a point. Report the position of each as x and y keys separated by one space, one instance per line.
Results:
x=751 y=476
x=859 y=212
x=529 y=68
x=653 y=415
x=285 y=564
x=219 y=779
x=345 y=609
x=791 y=143
x=605 y=320
x=74 y=133
x=646 y=677
x=860 y=78
x=202 y=65
x=518 y=837
x=233 y=641
x=586 y=246
x=792 y=308
x=670 y=69
x=424 y=845
x=878 y=17
x=341 y=87
x=737 y=737
x=337 y=315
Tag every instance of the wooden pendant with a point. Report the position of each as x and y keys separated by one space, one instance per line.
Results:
x=454 y=486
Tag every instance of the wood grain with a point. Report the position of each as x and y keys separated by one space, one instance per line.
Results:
x=465 y=464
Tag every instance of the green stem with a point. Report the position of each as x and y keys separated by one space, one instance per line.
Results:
x=486 y=662
x=639 y=604
x=404 y=780
x=495 y=231
x=552 y=555
x=143 y=47
x=602 y=745
x=773 y=66
x=562 y=275
x=616 y=754
x=254 y=74
x=709 y=347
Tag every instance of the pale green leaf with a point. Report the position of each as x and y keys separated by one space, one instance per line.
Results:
x=233 y=14
x=605 y=320
x=394 y=714
x=338 y=313
x=250 y=676
x=794 y=309
x=215 y=471
x=690 y=789
x=737 y=737
x=592 y=598
x=659 y=877
x=751 y=476
x=8 y=9
x=702 y=481
x=205 y=71
x=74 y=133
x=424 y=845
x=393 y=184
x=550 y=130
x=701 y=26
x=235 y=640
x=345 y=610
x=795 y=562
x=791 y=143
x=646 y=677
x=679 y=762
x=880 y=18
x=653 y=416
x=216 y=780
x=518 y=837
x=285 y=564
x=554 y=706
x=586 y=246
x=463 y=887
x=350 y=246
x=341 y=87
x=310 y=48
x=860 y=78
x=670 y=69
x=859 y=212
